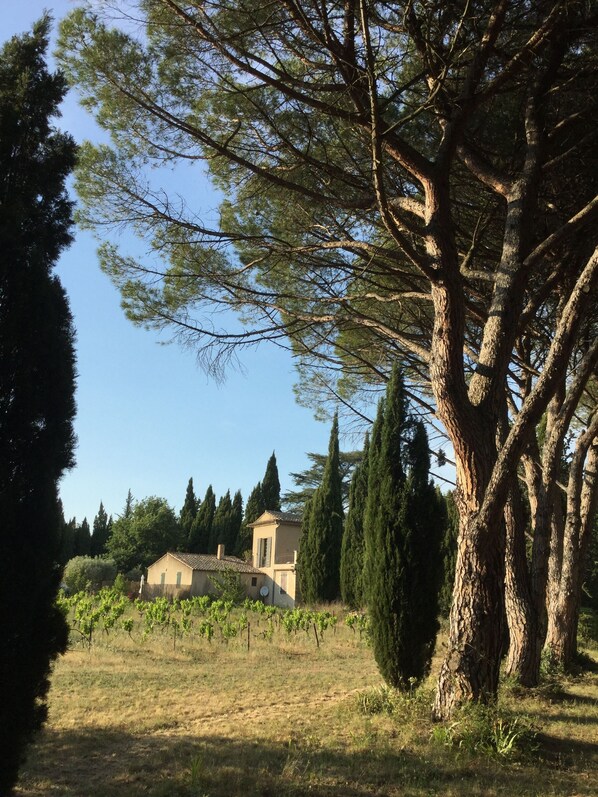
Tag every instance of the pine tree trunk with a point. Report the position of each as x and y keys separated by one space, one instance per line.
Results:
x=471 y=666
x=561 y=639
x=525 y=644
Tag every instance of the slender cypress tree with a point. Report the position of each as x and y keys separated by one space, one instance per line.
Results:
x=271 y=485
x=236 y=521
x=402 y=542
x=82 y=539
x=324 y=529
x=254 y=507
x=385 y=531
x=37 y=385
x=201 y=528
x=129 y=503
x=449 y=554
x=425 y=522
x=101 y=531
x=189 y=510
x=221 y=531
x=352 y=551
x=304 y=557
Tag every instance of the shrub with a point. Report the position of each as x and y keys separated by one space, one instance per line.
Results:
x=228 y=586
x=88 y=573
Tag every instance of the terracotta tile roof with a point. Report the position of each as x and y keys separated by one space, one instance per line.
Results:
x=204 y=561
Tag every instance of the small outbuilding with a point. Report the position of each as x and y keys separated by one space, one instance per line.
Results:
x=188 y=574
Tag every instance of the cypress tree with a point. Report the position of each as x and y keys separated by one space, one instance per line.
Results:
x=222 y=524
x=304 y=557
x=401 y=542
x=37 y=384
x=201 y=528
x=352 y=551
x=66 y=545
x=189 y=510
x=236 y=522
x=82 y=539
x=271 y=485
x=101 y=532
x=128 y=508
x=449 y=554
x=253 y=509
x=425 y=524
x=321 y=556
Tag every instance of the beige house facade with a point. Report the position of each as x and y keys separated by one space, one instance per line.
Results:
x=184 y=575
x=275 y=545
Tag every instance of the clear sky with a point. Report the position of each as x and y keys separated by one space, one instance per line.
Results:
x=148 y=418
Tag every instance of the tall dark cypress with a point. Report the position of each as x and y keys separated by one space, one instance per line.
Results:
x=235 y=523
x=323 y=532
x=401 y=542
x=37 y=384
x=352 y=551
x=189 y=510
x=82 y=539
x=201 y=528
x=425 y=522
x=448 y=554
x=101 y=531
x=271 y=485
x=221 y=526
x=254 y=507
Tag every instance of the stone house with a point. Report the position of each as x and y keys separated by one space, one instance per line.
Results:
x=187 y=574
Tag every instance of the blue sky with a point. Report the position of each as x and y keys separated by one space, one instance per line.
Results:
x=148 y=418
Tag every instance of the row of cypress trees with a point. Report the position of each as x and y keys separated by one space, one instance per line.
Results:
x=389 y=556
x=205 y=524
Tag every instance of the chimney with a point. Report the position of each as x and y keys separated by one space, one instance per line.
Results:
x=220 y=552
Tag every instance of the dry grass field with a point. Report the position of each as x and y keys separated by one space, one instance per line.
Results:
x=131 y=717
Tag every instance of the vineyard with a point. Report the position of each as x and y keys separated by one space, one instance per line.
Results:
x=197 y=619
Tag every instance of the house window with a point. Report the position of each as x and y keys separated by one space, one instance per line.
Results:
x=264 y=552
x=178 y=579
x=162 y=578
x=254 y=581
x=283 y=583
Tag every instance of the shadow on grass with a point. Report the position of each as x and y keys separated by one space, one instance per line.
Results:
x=108 y=763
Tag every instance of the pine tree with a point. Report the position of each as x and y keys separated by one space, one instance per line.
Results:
x=201 y=529
x=352 y=551
x=189 y=510
x=402 y=542
x=101 y=532
x=323 y=531
x=254 y=507
x=271 y=485
x=37 y=384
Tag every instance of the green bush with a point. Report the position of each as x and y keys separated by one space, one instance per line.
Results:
x=228 y=586
x=88 y=573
